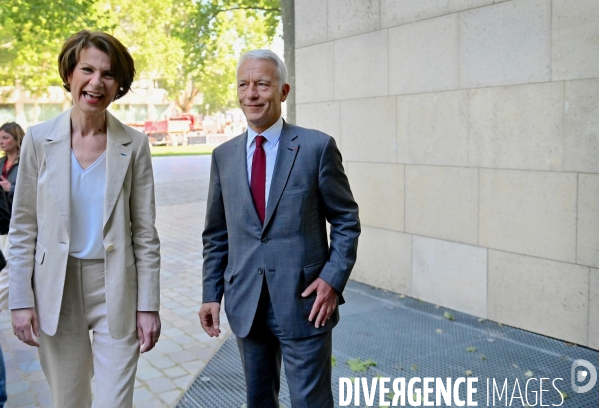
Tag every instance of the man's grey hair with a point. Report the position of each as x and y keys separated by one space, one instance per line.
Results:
x=267 y=55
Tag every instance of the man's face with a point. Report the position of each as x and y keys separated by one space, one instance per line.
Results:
x=258 y=93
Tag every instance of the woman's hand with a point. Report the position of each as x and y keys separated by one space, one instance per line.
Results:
x=148 y=330
x=5 y=184
x=24 y=322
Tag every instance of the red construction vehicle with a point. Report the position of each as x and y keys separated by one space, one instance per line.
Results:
x=173 y=131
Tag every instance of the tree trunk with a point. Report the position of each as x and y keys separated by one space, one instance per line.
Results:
x=288 y=16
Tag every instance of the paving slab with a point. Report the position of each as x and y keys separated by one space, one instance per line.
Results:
x=164 y=373
x=405 y=337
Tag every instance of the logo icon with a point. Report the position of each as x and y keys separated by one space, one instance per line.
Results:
x=580 y=376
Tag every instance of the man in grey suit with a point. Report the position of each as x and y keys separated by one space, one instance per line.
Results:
x=272 y=191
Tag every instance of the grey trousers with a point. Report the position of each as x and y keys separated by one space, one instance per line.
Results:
x=307 y=363
x=69 y=359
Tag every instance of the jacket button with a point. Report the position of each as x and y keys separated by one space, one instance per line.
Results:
x=260 y=271
x=110 y=248
x=265 y=240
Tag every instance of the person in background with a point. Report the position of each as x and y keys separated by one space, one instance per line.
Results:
x=11 y=136
x=4 y=220
x=3 y=395
x=84 y=251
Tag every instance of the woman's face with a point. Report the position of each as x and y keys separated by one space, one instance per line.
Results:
x=8 y=144
x=92 y=82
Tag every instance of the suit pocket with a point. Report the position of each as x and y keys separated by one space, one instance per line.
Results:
x=131 y=271
x=129 y=256
x=312 y=271
x=297 y=189
x=40 y=253
x=229 y=272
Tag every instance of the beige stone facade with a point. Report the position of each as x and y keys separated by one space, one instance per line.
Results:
x=470 y=133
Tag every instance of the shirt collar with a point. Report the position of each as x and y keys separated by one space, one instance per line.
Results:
x=272 y=134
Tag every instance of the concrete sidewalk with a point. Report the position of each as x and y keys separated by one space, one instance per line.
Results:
x=404 y=337
x=166 y=372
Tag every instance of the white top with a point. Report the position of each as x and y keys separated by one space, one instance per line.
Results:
x=270 y=146
x=87 y=208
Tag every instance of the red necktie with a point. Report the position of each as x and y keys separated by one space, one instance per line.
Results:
x=258 y=182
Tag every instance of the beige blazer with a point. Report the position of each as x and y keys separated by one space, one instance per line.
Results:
x=40 y=225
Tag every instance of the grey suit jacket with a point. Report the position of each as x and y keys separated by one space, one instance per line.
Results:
x=40 y=225
x=291 y=250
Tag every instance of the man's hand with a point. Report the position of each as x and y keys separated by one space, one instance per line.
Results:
x=325 y=303
x=25 y=325
x=5 y=184
x=148 y=330
x=209 y=318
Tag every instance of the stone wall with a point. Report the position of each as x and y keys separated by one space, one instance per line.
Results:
x=470 y=133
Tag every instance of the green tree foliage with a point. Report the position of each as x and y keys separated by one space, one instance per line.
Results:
x=146 y=28
x=215 y=33
x=188 y=46
x=31 y=36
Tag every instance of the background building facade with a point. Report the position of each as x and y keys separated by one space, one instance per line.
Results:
x=470 y=133
x=143 y=102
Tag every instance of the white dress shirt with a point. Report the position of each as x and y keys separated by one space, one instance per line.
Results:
x=271 y=146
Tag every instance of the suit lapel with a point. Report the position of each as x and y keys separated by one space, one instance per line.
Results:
x=286 y=154
x=118 y=157
x=57 y=152
x=241 y=172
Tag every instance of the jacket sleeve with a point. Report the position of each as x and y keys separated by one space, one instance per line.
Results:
x=341 y=211
x=215 y=239
x=23 y=228
x=146 y=245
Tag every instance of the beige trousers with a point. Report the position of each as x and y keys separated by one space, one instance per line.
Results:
x=4 y=275
x=69 y=359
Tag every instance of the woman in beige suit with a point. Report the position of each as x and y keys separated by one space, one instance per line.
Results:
x=84 y=251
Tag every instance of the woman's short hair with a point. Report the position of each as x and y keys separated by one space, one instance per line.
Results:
x=121 y=62
x=16 y=131
x=267 y=55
